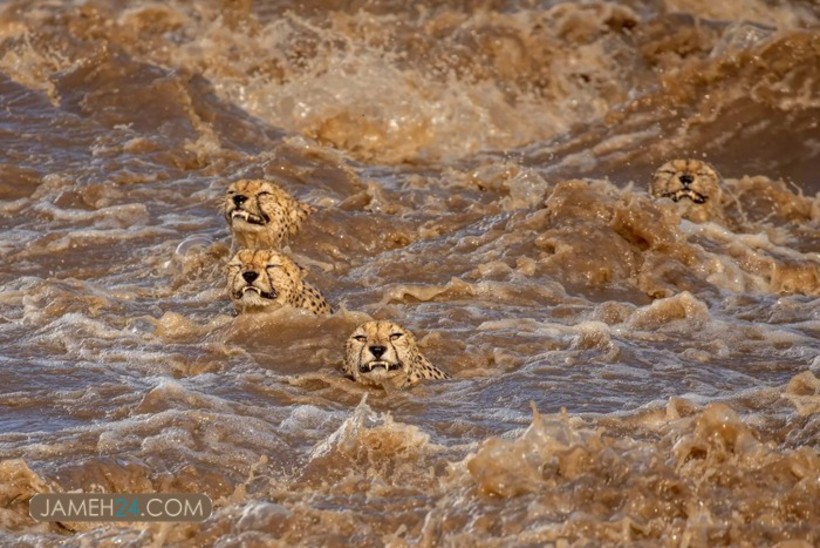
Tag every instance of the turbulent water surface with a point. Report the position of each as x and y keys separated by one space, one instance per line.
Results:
x=479 y=173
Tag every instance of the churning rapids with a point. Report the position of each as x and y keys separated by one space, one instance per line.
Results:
x=479 y=174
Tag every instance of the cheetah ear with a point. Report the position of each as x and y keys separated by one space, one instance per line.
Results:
x=300 y=269
x=294 y=270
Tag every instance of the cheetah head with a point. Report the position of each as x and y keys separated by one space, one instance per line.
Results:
x=263 y=280
x=260 y=214
x=691 y=180
x=381 y=352
x=249 y=202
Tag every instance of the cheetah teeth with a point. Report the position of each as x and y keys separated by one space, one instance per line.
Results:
x=370 y=366
x=686 y=193
x=247 y=217
x=264 y=294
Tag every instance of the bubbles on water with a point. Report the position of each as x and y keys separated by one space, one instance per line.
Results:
x=682 y=312
x=192 y=242
x=264 y=516
x=740 y=36
x=304 y=418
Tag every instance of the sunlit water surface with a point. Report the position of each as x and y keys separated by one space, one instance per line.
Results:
x=479 y=172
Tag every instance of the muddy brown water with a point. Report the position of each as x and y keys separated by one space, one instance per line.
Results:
x=479 y=171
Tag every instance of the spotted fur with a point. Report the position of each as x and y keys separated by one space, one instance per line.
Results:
x=261 y=215
x=264 y=279
x=692 y=184
x=384 y=353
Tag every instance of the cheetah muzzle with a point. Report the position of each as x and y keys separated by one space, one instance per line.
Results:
x=686 y=193
x=270 y=295
x=387 y=366
x=240 y=214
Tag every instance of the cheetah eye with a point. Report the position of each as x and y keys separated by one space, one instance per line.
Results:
x=396 y=336
x=264 y=193
x=360 y=338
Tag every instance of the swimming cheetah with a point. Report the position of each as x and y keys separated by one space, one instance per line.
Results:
x=693 y=185
x=384 y=353
x=262 y=215
x=261 y=279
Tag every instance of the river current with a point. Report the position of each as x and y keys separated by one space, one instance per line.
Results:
x=479 y=173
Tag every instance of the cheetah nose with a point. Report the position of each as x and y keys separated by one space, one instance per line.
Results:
x=686 y=179
x=378 y=351
x=250 y=276
x=239 y=199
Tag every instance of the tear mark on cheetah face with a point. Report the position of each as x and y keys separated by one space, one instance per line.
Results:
x=261 y=215
x=265 y=279
x=382 y=353
x=694 y=184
